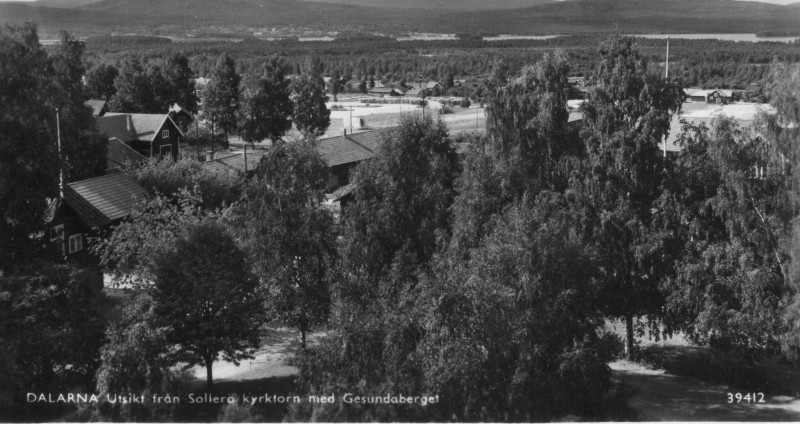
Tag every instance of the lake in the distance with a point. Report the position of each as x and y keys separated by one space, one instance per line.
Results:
x=725 y=37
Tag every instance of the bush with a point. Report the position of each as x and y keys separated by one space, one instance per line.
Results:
x=465 y=103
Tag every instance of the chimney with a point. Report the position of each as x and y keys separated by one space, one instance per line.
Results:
x=209 y=155
x=129 y=122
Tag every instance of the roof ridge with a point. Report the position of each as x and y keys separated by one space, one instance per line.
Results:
x=103 y=176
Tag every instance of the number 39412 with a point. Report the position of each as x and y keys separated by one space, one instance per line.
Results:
x=746 y=397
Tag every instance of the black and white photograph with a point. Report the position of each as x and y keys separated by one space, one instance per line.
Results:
x=399 y=211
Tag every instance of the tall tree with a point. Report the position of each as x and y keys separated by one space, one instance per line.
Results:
x=529 y=146
x=311 y=116
x=289 y=236
x=28 y=171
x=134 y=93
x=729 y=207
x=205 y=294
x=222 y=96
x=100 y=81
x=83 y=150
x=180 y=83
x=336 y=84
x=33 y=87
x=625 y=117
x=786 y=135
x=266 y=107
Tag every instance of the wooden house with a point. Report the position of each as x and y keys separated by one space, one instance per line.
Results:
x=709 y=96
x=89 y=206
x=344 y=152
x=149 y=134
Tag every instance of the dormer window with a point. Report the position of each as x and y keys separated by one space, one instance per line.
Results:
x=165 y=134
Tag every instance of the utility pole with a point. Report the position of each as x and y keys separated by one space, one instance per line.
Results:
x=666 y=78
x=60 y=160
x=666 y=74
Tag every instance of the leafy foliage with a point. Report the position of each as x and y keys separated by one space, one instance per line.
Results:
x=52 y=329
x=167 y=177
x=206 y=296
x=311 y=116
x=34 y=86
x=221 y=101
x=289 y=234
x=136 y=360
x=266 y=108
x=627 y=114
x=730 y=285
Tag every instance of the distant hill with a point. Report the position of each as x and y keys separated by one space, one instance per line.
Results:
x=462 y=5
x=573 y=16
x=66 y=4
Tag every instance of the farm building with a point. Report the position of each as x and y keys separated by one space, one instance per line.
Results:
x=709 y=96
x=88 y=206
x=385 y=91
x=148 y=134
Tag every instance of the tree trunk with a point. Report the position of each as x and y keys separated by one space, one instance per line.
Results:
x=209 y=376
x=629 y=354
x=303 y=338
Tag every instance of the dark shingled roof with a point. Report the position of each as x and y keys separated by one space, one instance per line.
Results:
x=102 y=200
x=96 y=105
x=143 y=126
x=235 y=161
x=120 y=154
x=349 y=148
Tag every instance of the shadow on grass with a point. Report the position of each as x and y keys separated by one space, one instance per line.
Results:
x=672 y=398
x=768 y=375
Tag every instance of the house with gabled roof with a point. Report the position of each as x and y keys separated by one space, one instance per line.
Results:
x=89 y=206
x=414 y=92
x=149 y=134
x=119 y=155
x=385 y=91
x=345 y=152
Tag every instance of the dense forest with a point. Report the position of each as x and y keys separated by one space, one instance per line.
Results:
x=478 y=269
x=699 y=63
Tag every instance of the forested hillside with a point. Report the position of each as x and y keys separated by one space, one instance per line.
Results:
x=699 y=16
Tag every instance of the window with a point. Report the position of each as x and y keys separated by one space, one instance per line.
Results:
x=75 y=242
x=165 y=134
x=165 y=150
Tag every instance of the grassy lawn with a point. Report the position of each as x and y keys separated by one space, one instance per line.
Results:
x=677 y=381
